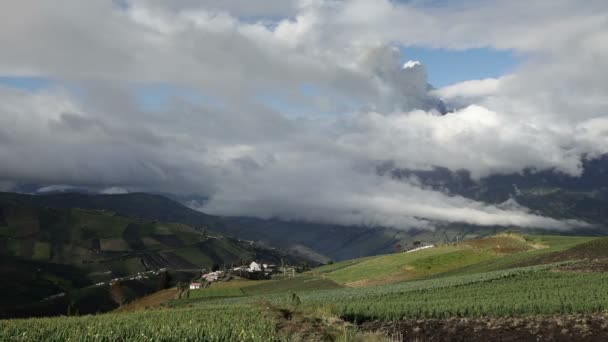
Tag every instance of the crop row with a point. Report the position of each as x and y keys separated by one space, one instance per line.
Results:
x=535 y=293
x=235 y=323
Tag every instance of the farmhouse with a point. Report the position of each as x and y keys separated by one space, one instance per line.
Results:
x=213 y=276
x=195 y=286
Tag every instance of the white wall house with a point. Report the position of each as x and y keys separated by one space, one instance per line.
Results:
x=255 y=267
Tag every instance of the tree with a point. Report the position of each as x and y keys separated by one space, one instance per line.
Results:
x=398 y=247
x=117 y=293
x=184 y=290
x=416 y=243
x=164 y=280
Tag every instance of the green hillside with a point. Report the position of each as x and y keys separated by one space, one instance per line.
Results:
x=509 y=286
x=50 y=251
x=472 y=256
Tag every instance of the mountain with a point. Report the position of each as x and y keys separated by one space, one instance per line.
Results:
x=319 y=242
x=547 y=192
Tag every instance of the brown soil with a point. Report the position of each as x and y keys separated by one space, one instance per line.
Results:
x=580 y=328
x=586 y=266
x=501 y=244
x=151 y=301
x=595 y=250
x=297 y=326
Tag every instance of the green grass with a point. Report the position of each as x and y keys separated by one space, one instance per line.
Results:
x=42 y=251
x=114 y=245
x=476 y=256
x=548 y=244
x=337 y=266
x=296 y=284
x=197 y=296
x=102 y=225
x=217 y=292
x=386 y=265
x=194 y=255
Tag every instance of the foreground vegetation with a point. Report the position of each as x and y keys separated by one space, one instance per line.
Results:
x=235 y=323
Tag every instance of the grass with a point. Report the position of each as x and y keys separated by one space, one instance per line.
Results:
x=389 y=268
x=544 y=244
x=473 y=256
x=337 y=266
x=42 y=251
x=296 y=284
x=194 y=255
x=114 y=245
x=217 y=293
x=102 y=225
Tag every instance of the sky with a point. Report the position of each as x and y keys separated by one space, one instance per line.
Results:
x=287 y=108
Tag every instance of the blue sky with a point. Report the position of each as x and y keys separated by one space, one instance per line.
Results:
x=444 y=67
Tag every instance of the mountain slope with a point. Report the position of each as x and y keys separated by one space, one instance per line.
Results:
x=319 y=242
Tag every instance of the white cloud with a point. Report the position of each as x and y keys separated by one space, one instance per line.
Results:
x=115 y=190
x=248 y=153
x=470 y=89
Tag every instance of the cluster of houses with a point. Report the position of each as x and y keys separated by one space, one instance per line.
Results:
x=254 y=270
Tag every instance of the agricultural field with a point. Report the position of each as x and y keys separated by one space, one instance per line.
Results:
x=506 y=284
x=237 y=323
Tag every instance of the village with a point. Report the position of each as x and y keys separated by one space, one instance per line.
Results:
x=254 y=271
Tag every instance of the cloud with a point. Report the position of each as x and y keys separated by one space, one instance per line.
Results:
x=114 y=190
x=472 y=89
x=339 y=64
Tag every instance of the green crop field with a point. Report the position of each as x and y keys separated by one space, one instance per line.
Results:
x=211 y=324
x=535 y=291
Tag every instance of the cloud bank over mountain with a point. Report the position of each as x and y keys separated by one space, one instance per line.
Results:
x=287 y=108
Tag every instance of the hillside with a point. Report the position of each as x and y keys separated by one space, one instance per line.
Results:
x=508 y=286
x=319 y=242
x=49 y=251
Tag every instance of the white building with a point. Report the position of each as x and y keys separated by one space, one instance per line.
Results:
x=255 y=267
x=195 y=286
